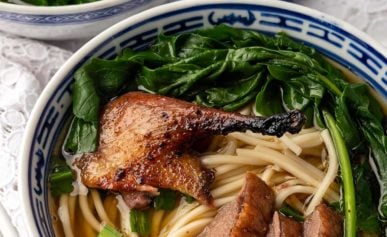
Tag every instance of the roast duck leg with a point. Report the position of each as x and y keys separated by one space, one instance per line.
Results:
x=146 y=142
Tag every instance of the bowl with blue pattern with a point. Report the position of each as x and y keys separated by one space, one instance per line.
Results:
x=68 y=22
x=334 y=38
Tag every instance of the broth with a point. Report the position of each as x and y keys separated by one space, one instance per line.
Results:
x=82 y=229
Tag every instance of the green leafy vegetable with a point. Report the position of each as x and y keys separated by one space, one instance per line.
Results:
x=86 y=101
x=100 y=80
x=139 y=222
x=345 y=122
x=228 y=68
x=166 y=200
x=290 y=212
x=61 y=177
x=337 y=206
x=267 y=101
x=346 y=176
x=56 y=2
x=82 y=136
x=189 y=199
x=369 y=116
x=367 y=218
x=109 y=231
x=231 y=97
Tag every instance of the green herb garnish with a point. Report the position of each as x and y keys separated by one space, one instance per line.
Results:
x=109 y=231
x=61 y=177
x=139 y=222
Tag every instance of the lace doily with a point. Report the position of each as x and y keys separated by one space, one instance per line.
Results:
x=26 y=66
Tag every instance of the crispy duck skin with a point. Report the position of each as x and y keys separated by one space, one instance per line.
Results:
x=146 y=143
x=249 y=215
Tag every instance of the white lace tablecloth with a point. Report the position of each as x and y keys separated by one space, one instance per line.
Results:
x=26 y=66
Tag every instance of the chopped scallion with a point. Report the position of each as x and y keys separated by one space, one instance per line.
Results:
x=166 y=200
x=109 y=231
x=139 y=222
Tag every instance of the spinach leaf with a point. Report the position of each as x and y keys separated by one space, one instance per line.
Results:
x=231 y=97
x=367 y=218
x=347 y=126
x=147 y=58
x=56 y=2
x=268 y=100
x=292 y=98
x=181 y=78
x=166 y=200
x=369 y=116
x=86 y=100
x=82 y=136
x=110 y=77
x=96 y=81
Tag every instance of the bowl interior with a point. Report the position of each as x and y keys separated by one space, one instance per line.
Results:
x=335 y=39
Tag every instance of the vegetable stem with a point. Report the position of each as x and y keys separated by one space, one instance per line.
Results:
x=290 y=212
x=166 y=200
x=346 y=175
x=109 y=231
x=139 y=222
x=330 y=85
x=61 y=177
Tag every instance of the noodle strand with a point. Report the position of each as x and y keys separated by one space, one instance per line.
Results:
x=100 y=208
x=88 y=214
x=64 y=215
x=286 y=192
x=330 y=175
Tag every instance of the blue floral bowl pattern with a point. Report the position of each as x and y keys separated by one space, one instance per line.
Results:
x=68 y=22
x=337 y=40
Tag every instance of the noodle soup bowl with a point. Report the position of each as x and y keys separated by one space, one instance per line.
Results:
x=334 y=38
x=68 y=22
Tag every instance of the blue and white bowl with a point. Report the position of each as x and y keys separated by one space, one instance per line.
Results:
x=68 y=22
x=334 y=38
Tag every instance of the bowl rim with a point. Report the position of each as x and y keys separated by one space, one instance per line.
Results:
x=106 y=34
x=59 y=10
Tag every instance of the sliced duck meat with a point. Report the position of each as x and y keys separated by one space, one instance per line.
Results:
x=137 y=199
x=223 y=222
x=282 y=226
x=323 y=222
x=146 y=142
x=248 y=215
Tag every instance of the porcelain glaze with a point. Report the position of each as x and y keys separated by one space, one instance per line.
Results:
x=334 y=38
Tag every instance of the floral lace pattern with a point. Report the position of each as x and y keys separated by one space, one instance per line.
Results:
x=25 y=68
x=27 y=65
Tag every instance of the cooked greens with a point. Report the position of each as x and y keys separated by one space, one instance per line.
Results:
x=290 y=212
x=109 y=231
x=346 y=175
x=166 y=200
x=61 y=177
x=228 y=68
x=139 y=222
x=82 y=136
x=53 y=2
